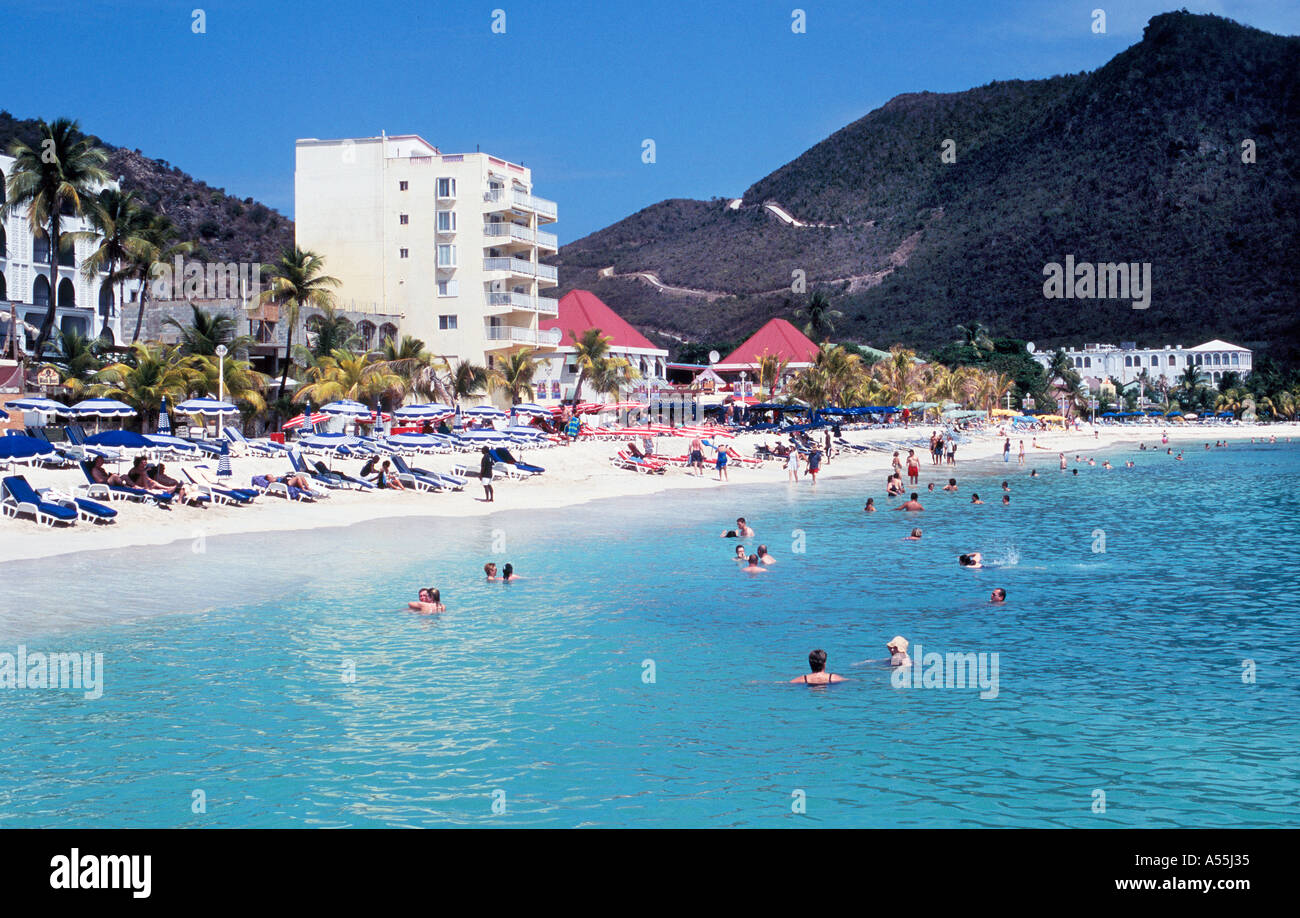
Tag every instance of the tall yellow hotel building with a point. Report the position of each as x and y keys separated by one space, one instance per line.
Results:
x=450 y=242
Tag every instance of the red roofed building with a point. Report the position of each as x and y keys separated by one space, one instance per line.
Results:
x=777 y=337
x=578 y=311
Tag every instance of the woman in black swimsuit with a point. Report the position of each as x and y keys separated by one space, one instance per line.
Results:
x=818 y=676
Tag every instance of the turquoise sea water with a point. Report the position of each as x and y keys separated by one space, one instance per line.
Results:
x=1119 y=671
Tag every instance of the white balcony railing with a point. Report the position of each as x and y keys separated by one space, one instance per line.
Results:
x=548 y=272
x=510 y=230
x=531 y=202
x=514 y=265
x=549 y=240
x=512 y=333
x=515 y=300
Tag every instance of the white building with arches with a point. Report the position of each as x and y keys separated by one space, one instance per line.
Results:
x=85 y=305
x=1126 y=362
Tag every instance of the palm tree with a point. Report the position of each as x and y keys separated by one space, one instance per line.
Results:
x=771 y=367
x=77 y=360
x=517 y=371
x=1234 y=400
x=156 y=243
x=589 y=349
x=840 y=370
x=975 y=336
x=821 y=316
x=417 y=367
x=332 y=332
x=812 y=386
x=470 y=380
x=152 y=373
x=296 y=282
x=345 y=374
x=206 y=331
x=56 y=176
x=902 y=377
x=610 y=375
x=118 y=223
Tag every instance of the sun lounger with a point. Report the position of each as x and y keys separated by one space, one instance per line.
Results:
x=625 y=460
x=279 y=489
x=19 y=499
x=322 y=471
x=88 y=510
x=215 y=493
x=327 y=480
x=444 y=481
x=260 y=446
x=100 y=491
x=502 y=454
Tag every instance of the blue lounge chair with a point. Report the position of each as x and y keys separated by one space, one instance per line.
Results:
x=88 y=510
x=19 y=499
x=502 y=454
x=444 y=482
x=279 y=489
x=324 y=471
x=100 y=491
x=218 y=494
x=327 y=479
x=260 y=446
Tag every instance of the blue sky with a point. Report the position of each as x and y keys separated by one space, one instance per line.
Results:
x=727 y=90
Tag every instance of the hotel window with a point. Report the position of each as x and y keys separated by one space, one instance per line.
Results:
x=403 y=253
x=446 y=256
x=446 y=188
x=446 y=221
x=404 y=219
x=402 y=186
x=1128 y=361
x=447 y=323
x=1173 y=362
x=1234 y=359
x=1087 y=361
x=448 y=288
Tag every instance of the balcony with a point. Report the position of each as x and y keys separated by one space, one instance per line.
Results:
x=512 y=231
x=520 y=266
x=541 y=206
x=523 y=302
x=511 y=335
x=548 y=273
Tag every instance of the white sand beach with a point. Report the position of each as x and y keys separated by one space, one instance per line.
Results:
x=574 y=474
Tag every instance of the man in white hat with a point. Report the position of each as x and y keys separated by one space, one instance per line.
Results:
x=898 y=652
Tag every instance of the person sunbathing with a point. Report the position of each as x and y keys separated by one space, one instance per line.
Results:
x=101 y=475
x=159 y=474
x=385 y=478
x=139 y=477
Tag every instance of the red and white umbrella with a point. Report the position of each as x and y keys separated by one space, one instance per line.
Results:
x=294 y=423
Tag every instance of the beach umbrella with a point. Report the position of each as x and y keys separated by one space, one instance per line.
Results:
x=430 y=412
x=295 y=422
x=167 y=441
x=102 y=408
x=20 y=446
x=125 y=439
x=207 y=407
x=587 y=408
x=531 y=409
x=329 y=441
x=47 y=405
x=223 y=463
x=164 y=421
x=347 y=408
x=485 y=411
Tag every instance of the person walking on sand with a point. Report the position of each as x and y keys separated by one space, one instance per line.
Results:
x=792 y=465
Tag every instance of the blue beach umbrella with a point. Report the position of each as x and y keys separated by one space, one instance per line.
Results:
x=430 y=412
x=207 y=407
x=164 y=421
x=347 y=408
x=102 y=408
x=485 y=411
x=531 y=409
x=20 y=446
x=125 y=439
x=47 y=405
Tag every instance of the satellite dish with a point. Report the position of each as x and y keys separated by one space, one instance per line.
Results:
x=1029 y=346
x=714 y=356
x=554 y=334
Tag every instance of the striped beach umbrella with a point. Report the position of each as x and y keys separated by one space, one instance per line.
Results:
x=164 y=420
x=347 y=408
x=430 y=412
x=207 y=407
x=296 y=422
x=532 y=410
x=102 y=408
x=223 y=464
x=485 y=411
x=46 y=405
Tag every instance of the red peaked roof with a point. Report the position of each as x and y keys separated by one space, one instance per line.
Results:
x=580 y=310
x=776 y=337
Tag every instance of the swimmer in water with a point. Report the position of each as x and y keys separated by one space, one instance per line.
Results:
x=930 y=487
x=1006 y=486
x=764 y=556
x=974 y=560
x=1033 y=473
x=951 y=485
x=1006 y=500
x=430 y=602
x=914 y=537
x=871 y=505
x=740 y=554
x=1106 y=464
x=818 y=676
x=975 y=499
x=998 y=595
x=508 y=573
x=491 y=570
x=911 y=504
x=742 y=530
x=1179 y=457
x=753 y=567
x=1062 y=462
x=898 y=652
x=1075 y=471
